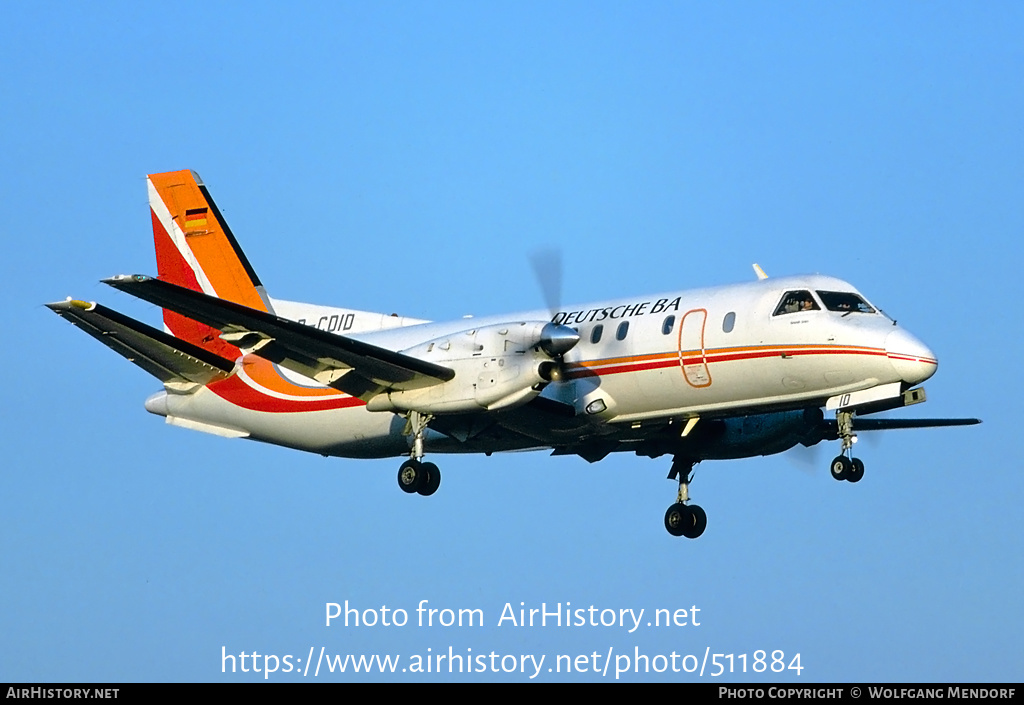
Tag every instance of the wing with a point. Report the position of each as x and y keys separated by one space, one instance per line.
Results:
x=351 y=366
x=894 y=424
x=169 y=359
x=548 y=423
x=829 y=429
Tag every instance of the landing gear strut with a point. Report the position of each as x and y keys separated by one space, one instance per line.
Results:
x=684 y=519
x=845 y=466
x=415 y=476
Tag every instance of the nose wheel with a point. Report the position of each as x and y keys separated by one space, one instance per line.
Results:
x=682 y=518
x=846 y=468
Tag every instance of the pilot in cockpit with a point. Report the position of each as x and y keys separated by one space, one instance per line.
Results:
x=797 y=301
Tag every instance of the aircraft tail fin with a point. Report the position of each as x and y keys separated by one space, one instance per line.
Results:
x=196 y=249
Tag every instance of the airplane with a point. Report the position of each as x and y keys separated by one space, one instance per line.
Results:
x=717 y=373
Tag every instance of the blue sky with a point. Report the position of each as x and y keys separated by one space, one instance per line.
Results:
x=408 y=157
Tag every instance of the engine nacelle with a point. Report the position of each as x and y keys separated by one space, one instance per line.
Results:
x=496 y=367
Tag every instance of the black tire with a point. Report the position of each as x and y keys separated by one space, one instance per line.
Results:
x=856 y=471
x=841 y=467
x=411 y=476
x=431 y=481
x=677 y=519
x=700 y=522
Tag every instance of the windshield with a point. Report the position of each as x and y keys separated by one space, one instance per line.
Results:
x=795 y=301
x=845 y=302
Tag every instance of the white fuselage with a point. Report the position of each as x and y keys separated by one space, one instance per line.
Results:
x=721 y=351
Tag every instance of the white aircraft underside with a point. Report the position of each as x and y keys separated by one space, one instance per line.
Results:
x=717 y=373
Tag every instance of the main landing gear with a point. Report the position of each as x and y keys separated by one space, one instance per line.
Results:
x=845 y=466
x=684 y=519
x=415 y=476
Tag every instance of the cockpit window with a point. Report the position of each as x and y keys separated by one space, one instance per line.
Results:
x=844 y=302
x=796 y=301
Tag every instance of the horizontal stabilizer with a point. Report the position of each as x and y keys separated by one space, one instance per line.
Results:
x=169 y=359
x=346 y=364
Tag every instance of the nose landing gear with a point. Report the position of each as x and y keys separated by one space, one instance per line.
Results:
x=845 y=466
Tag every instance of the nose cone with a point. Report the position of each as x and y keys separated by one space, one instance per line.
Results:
x=911 y=358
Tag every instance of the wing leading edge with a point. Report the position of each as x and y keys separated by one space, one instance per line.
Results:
x=348 y=365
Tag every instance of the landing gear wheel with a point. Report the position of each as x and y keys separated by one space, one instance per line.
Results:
x=676 y=519
x=700 y=522
x=683 y=520
x=411 y=477
x=842 y=467
x=431 y=481
x=856 y=471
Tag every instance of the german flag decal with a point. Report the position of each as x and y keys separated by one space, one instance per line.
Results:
x=195 y=217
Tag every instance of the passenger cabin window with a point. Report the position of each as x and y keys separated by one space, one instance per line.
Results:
x=595 y=335
x=795 y=302
x=844 y=301
x=728 y=322
x=668 y=325
x=620 y=332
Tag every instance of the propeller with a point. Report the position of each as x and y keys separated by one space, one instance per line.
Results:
x=547 y=267
x=555 y=339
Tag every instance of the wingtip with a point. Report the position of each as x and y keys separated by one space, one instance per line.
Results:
x=124 y=278
x=70 y=303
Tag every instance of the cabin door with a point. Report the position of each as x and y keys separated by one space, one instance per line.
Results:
x=692 y=356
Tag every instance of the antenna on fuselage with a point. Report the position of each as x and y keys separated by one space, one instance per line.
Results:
x=759 y=272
